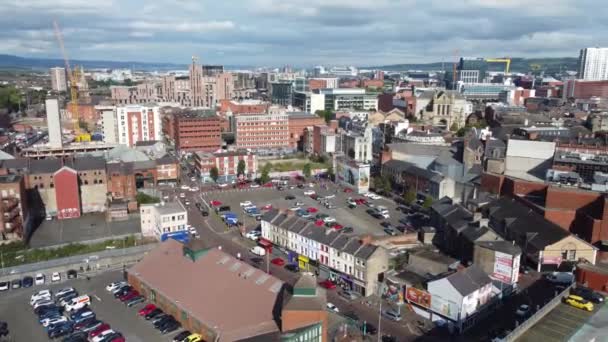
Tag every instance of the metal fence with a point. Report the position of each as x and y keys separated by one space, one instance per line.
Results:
x=537 y=316
x=77 y=259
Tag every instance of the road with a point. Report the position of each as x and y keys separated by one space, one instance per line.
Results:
x=214 y=233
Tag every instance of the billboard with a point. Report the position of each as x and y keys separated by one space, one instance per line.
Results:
x=418 y=297
x=179 y=235
x=503 y=267
x=445 y=307
x=354 y=175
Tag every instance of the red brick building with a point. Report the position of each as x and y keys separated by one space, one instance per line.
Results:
x=314 y=84
x=298 y=122
x=68 y=199
x=244 y=107
x=226 y=164
x=580 y=89
x=372 y=84
x=14 y=210
x=195 y=131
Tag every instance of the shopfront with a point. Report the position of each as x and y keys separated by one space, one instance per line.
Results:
x=292 y=257
x=303 y=262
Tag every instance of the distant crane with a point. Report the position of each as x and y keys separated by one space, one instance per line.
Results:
x=74 y=77
x=455 y=68
x=507 y=62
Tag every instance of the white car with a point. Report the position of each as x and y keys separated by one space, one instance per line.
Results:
x=39 y=279
x=40 y=294
x=182 y=195
x=374 y=196
x=115 y=285
x=222 y=185
x=332 y=307
x=257 y=250
x=295 y=208
x=194 y=189
x=49 y=321
x=246 y=204
x=55 y=277
x=42 y=302
x=102 y=336
x=254 y=185
x=64 y=291
x=309 y=192
x=185 y=187
x=253 y=235
x=329 y=219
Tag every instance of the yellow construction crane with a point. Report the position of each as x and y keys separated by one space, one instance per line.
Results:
x=74 y=77
x=501 y=60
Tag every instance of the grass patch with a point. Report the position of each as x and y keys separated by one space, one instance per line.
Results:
x=16 y=253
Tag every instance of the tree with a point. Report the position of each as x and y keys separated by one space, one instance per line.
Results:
x=325 y=114
x=10 y=98
x=240 y=168
x=409 y=197
x=454 y=127
x=214 y=173
x=143 y=198
x=330 y=173
x=128 y=82
x=265 y=176
x=428 y=201
x=306 y=170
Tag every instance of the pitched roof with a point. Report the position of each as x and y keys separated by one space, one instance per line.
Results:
x=506 y=247
x=209 y=294
x=86 y=163
x=469 y=280
x=48 y=165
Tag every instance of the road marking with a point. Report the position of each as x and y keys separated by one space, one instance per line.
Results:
x=409 y=327
x=96 y=297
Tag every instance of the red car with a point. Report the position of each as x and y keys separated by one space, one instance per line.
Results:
x=118 y=339
x=146 y=309
x=328 y=284
x=99 y=330
x=312 y=210
x=360 y=201
x=129 y=295
x=319 y=223
x=215 y=203
x=267 y=207
x=337 y=226
x=278 y=261
x=348 y=190
x=267 y=185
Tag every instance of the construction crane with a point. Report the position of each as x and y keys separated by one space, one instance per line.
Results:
x=501 y=60
x=74 y=77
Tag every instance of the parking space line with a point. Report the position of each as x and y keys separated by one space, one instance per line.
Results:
x=97 y=297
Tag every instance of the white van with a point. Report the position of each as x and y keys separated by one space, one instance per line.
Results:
x=257 y=250
x=78 y=303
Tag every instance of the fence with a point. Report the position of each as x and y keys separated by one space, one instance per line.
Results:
x=537 y=316
x=108 y=259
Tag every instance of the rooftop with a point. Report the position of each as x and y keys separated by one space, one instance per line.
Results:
x=168 y=207
x=469 y=280
x=210 y=294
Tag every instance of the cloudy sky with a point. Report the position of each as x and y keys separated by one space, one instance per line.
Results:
x=302 y=32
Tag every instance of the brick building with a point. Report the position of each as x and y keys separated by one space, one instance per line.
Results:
x=580 y=89
x=68 y=199
x=195 y=131
x=14 y=210
x=226 y=164
x=135 y=123
x=298 y=122
x=371 y=84
x=263 y=132
x=244 y=106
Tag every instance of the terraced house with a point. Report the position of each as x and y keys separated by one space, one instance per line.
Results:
x=348 y=260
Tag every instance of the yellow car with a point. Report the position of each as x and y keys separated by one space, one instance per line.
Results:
x=578 y=302
x=194 y=338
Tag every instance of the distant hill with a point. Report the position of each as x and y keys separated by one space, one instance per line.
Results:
x=16 y=62
x=549 y=65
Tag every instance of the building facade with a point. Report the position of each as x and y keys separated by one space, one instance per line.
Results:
x=137 y=123
x=226 y=164
x=593 y=64
x=298 y=122
x=196 y=131
x=263 y=132
x=14 y=210
x=58 y=79
x=161 y=220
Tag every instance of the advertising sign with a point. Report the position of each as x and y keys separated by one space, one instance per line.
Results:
x=418 y=297
x=353 y=175
x=180 y=235
x=552 y=260
x=503 y=267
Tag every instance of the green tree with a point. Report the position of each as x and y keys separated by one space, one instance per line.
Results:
x=306 y=170
x=214 y=173
x=265 y=176
x=409 y=197
x=10 y=98
x=454 y=127
x=128 y=82
x=330 y=173
x=240 y=168
x=428 y=202
x=143 y=198
x=327 y=115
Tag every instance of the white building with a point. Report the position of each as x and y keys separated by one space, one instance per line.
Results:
x=58 y=79
x=108 y=123
x=162 y=218
x=593 y=64
x=342 y=99
x=358 y=146
x=460 y=295
x=53 y=121
x=138 y=123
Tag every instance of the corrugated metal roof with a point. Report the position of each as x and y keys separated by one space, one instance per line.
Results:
x=530 y=149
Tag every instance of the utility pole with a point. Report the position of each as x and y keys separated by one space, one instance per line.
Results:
x=379 y=321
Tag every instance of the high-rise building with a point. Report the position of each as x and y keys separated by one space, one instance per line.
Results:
x=138 y=123
x=593 y=64
x=472 y=70
x=198 y=130
x=58 y=79
x=53 y=121
x=225 y=86
x=263 y=132
x=196 y=84
x=108 y=123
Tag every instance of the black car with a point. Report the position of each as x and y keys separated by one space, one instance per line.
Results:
x=292 y=268
x=169 y=327
x=369 y=328
x=86 y=323
x=386 y=224
x=72 y=274
x=28 y=281
x=49 y=311
x=352 y=316
x=124 y=290
x=347 y=230
x=181 y=336
x=111 y=336
x=153 y=313
x=3 y=329
x=389 y=338
x=44 y=308
x=300 y=186
x=204 y=213
x=79 y=336
x=60 y=330
x=587 y=294
x=290 y=197
x=160 y=323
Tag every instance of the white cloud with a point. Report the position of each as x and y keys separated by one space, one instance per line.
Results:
x=178 y=26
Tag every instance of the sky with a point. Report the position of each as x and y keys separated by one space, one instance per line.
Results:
x=302 y=32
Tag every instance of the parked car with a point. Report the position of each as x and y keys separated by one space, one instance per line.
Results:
x=328 y=284
x=153 y=314
x=332 y=307
x=257 y=250
x=278 y=261
x=146 y=309
x=115 y=285
x=181 y=336
x=77 y=336
x=246 y=204
x=134 y=301
x=290 y=197
x=39 y=279
x=86 y=323
x=578 y=302
x=392 y=315
x=4 y=286
x=170 y=327
x=64 y=292
x=16 y=284
x=55 y=277
x=99 y=330
x=28 y=281
x=194 y=338
x=292 y=268
x=587 y=294
x=565 y=278
x=60 y=330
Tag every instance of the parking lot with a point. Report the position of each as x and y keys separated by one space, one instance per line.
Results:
x=358 y=218
x=23 y=324
x=559 y=324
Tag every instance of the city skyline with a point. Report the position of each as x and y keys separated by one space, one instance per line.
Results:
x=304 y=33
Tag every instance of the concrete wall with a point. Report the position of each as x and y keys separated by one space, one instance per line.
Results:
x=93 y=197
x=375 y=265
x=291 y=320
